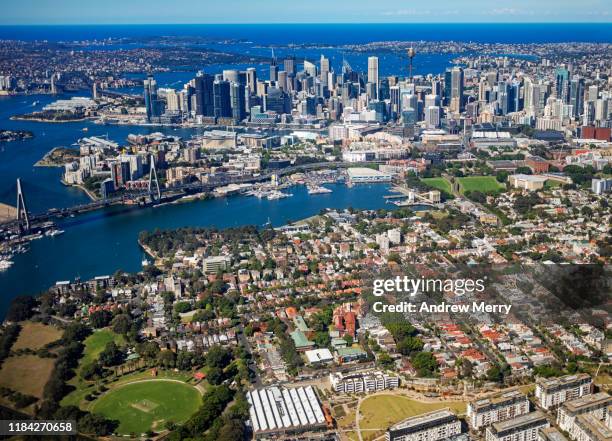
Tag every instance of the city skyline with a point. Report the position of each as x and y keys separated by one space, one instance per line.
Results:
x=71 y=12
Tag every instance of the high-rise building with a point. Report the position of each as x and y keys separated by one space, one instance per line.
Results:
x=324 y=70
x=277 y=101
x=251 y=78
x=562 y=84
x=150 y=97
x=310 y=68
x=205 y=104
x=290 y=65
x=456 y=90
x=273 y=68
x=238 y=100
x=222 y=99
x=576 y=96
x=373 y=73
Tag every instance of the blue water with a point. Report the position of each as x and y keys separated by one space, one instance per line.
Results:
x=104 y=241
x=330 y=33
x=101 y=242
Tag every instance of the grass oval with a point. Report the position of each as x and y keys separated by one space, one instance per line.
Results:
x=147 y=405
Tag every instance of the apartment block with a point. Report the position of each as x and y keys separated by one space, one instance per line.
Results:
x=552 y=392
x=483 y=413
x=596 y=405
x=524 y=428
x=433 y=426
x=363 y=382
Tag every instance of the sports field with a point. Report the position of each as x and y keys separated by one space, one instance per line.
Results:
x=381 y=411
x=36 y=335
x=147 y=405
x=439 y=183
x=484 y=184
x=27 y=374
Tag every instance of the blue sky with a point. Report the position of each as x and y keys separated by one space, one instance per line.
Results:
x=17 y=12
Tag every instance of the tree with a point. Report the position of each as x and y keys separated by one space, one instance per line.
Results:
x=495 y=374
x=348 y=339
x=111 y=355
x=425 y=363
x=166 y=359
x=218 y=357
x=215 y=376
x=121 y=324
x=523 y=170
x=76 y=331
x=408 y=345
x=100 y=319
x=22 y=308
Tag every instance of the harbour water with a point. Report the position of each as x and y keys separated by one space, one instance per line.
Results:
x=104 y=241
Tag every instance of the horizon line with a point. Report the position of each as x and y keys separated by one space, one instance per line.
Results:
x=319 y=23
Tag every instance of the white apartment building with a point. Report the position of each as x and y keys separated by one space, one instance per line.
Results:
x=433 y=426
x=483 y=413
x=552 y=392
x=589 y=428
x=593 y=404
x=363 y=382
x=524 y=428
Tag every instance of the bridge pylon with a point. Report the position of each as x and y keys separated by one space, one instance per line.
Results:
x=22 y=212
x=153 y=180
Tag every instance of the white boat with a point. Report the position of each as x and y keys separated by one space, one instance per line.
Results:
x=5 y=264
x=278 y=195
x=317 y=189
x=54 y=233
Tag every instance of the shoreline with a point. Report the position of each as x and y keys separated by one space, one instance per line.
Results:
x=50 y=121
x=91 y=196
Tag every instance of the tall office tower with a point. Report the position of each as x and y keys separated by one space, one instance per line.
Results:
x=187 y=95
x=324 y=70
x=503 y=97
x=331 y=80
x=432 y=117
x=562 y=84
x=231 y=75
x=172 y=99
x=593 y=92
x=273 y=68
x=448 y=74
x=277 y=101
x=150 y=97
x=373 y=72
x=251 y=79
x=205 y=104
x=282 y=80
x=491 y=77
x=310 y=68
x=238 y=101
x=395 y=96
x=576 y=95
x=431 y=100
x=456 y=98
x=409 y=101
x=514 y=97
x=436 y=87
x=290 y=65
x=222 y=99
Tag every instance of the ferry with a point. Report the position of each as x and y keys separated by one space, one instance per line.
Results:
x=318 y=189
x=278 y=195
x=53 y=233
